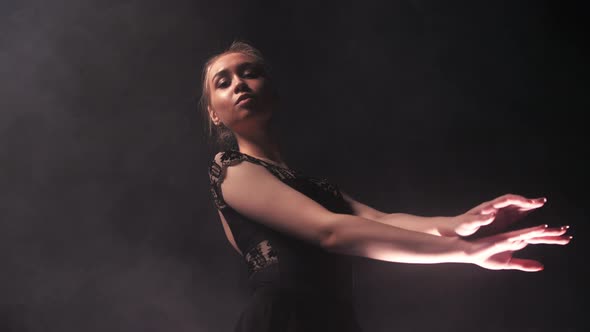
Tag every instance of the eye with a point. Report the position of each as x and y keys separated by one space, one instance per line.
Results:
x=251 y=73
x=222 y=83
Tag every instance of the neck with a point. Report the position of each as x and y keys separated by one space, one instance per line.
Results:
x=261 y=144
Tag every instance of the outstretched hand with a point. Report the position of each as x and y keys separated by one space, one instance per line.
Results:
x=495 y=252
x=493 y=216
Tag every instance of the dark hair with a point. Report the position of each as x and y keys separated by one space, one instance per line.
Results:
x=222 y=135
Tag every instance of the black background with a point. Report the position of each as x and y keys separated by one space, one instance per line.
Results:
x=424 y=107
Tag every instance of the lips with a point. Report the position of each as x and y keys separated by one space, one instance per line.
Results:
x=244 y=96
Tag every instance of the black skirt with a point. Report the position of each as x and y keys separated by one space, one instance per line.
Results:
x=272 y=309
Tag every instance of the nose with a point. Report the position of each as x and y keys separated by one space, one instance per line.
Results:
x=241 y=85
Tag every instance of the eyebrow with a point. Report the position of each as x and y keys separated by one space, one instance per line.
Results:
x=240 y=67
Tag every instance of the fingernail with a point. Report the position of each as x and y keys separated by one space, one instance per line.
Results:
x=545 y=226
x=565 y=227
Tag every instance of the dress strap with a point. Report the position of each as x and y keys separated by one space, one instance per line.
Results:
x=225 y=159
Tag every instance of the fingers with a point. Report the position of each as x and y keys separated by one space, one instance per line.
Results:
x=500 y=247
x=505 y=261
x=517 y=200
x=552 y=236
x=530 y=208
x=517 y=240
x=527 y=265
x=523 y=203
x=556 y=231
x=525 y=233
x=559 y=240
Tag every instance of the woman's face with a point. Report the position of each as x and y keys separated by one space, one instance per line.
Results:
x=240 y=95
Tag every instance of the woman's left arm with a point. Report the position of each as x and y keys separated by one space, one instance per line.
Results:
x=429 y=225
x=509 y=208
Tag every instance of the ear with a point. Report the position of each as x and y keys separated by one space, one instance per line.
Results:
x=213 y=116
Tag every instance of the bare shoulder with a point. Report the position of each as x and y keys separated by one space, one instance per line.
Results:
x=253 y=191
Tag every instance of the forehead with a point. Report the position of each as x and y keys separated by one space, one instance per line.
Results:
x=228 y=61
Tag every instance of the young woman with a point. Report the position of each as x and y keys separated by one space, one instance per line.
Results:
x=297 y=232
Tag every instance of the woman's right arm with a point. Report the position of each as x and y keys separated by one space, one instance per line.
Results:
x=254 y=192
x=389 y=243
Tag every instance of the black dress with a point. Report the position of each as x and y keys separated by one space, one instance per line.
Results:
x=296 y=287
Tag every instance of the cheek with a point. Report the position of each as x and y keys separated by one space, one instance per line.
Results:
x=263 y=88
x=221 y=101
